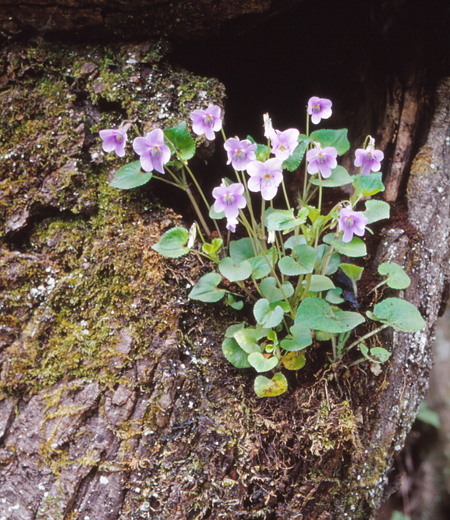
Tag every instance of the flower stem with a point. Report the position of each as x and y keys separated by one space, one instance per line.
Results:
x=197 y=210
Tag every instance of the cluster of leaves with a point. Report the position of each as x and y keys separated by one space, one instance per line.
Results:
x=291 y=283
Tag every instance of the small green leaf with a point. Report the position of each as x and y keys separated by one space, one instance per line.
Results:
x=171 y=244
x=266 y=316
x=293 y=162
x=319 y=283
x=396 y=276
x=182 y=140
x=294 y=241
x=233 y=273
x=270 y=388
x=130 y=176
x=399 y=314
x=334 y=296
x=339 y=177
x=299 y=338
x=352 y=271
x=284 y=220
x=353 y=249
x=369 y=184
x=234 y=354
x=206 y=290
x=317 y=314
x=273 y=294
x=377 y=354
x=376 y=210
x=336 y=138
x=248 y=339
x=333 y=262
x=233 y=303
x=241 y=250
x=260 y=363
x=294 y=360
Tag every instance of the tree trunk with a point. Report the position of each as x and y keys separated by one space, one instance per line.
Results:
x=116 y=400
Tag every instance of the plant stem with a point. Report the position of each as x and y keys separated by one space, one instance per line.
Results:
x=368 y=335
x=197 y=210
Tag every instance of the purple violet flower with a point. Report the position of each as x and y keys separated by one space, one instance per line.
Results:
x=229 y=199
x=351 y=222
x=240 y=153
x=231 y=224
x=321 y=160
x=319 y=108
x=207 y=121
x=284 y=143
x=115 y=139
x=265 y=177
x=369 y=158
x=152 y=150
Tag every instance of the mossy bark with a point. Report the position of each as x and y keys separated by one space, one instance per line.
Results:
x=116 y=401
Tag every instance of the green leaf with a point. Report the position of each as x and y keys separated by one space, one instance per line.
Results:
x=130 y=176
x=428 y=416
x=319 y=283
x=266 y=316
x=260 y=267
x=248 y=339
x=396 y=515
x=377 y=354
x=234 y=354
x=369 y=184
x=241 y=250
x=293 y=162
x=206 y=290
x=317 y=314
x=229 y=333
x=233 y=273
x=284 y=220
x=306 y=257
x=182 y=140
x=399 y=314
x=233 y=303
x=270 y=388
x=273 y=294
x=260 y=363
x=333 y=263
x=334 y=296
x=299 y=338
x=339 y=177
x=353 y=249
x=396 y=276
x=376 y=210
x=352 y=271
x=171 y=244
x=294 y=241
x=262 y=152
x=211 y=249
x=336 y=138
x=294 y=360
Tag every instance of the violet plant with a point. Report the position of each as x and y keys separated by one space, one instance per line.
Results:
x=284 y=265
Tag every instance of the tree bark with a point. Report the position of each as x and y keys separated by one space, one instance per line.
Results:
x=116 y=401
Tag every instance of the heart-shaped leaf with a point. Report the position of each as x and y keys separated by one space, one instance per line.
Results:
x=396 y=276
x=266 y=316
x=234 y=354
x=336 y=138
x=270 y=388
x=241 y=250
x=284 y=220
x=248 y=339
x=319 y=283
x=377 y=354
x=369 y=184
x=356 y=247
x=233 y=273
x=273 y=294
x=130 y=176
x=376 y=210
x=299 y=338
x=206 y=290
x=354 y=272
x=399 y=314
x=171 y=244
x=294 y=360
x=182 y=140
x=260 y=363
